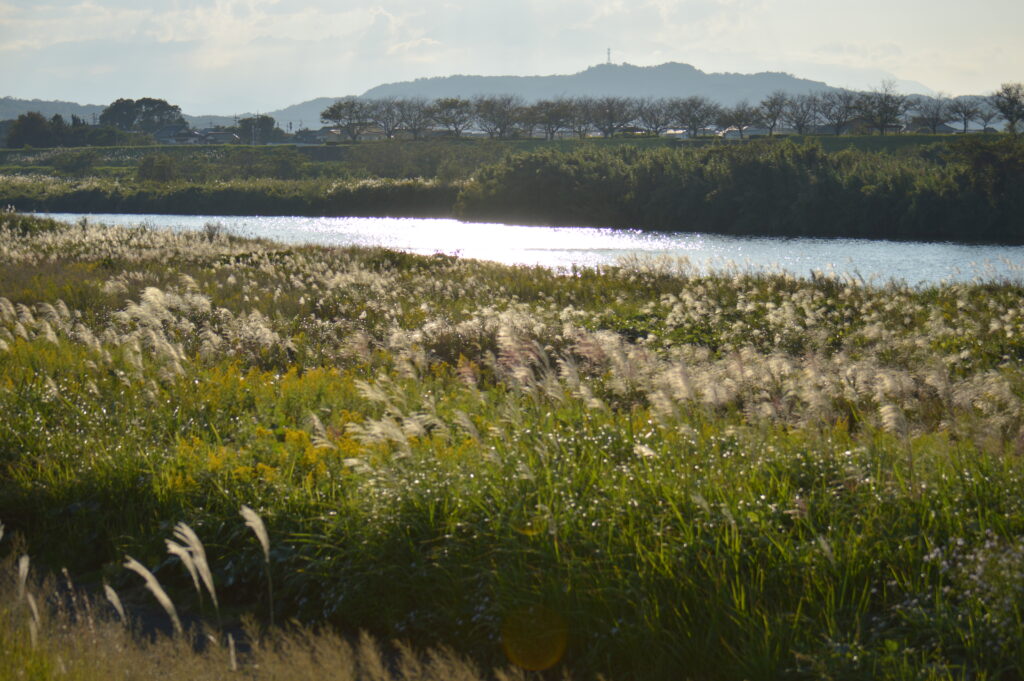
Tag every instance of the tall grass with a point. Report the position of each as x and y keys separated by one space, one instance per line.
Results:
x=73 y=637
x=636 y=471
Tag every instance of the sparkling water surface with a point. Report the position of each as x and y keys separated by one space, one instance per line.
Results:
x=871 y=260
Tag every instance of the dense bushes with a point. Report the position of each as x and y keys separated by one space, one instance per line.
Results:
x=966 y=189
x=969 y=192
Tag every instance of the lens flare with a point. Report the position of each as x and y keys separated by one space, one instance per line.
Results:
x=534 y=637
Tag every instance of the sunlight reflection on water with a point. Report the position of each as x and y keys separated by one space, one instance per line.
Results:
x=585 y=246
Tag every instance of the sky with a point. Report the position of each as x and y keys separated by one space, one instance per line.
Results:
x=237 y=56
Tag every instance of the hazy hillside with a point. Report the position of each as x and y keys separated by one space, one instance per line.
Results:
x=624 y=80
x=666 y=80
x=12 y=108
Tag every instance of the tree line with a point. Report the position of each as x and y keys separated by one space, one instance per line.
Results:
x=32 y=129
x=882 y=110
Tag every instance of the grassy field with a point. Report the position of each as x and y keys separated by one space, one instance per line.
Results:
x=636 y=471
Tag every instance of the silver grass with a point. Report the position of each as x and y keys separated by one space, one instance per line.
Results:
x=115 y=601
x=254 y=522
x=33 y=632
x=158 y=591
x=319 y=437
x=33 y=608
x=22 y=575
x=893 y=419
x=7 y=312
x=184 y=533
x=183 y=554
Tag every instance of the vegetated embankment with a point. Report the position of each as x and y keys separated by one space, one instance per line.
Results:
x=961 y=190
x=364 y=198
x=966 y=190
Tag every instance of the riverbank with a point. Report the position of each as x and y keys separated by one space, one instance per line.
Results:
x=964 y=190
x=367 y=198
x=746 y=476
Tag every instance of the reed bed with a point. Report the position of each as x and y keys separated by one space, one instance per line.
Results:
x=667 y=474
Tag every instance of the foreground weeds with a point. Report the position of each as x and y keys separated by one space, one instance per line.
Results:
x=52 y=630
x=637 y=471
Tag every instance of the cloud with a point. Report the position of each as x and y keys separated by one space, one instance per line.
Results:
x=219 y=55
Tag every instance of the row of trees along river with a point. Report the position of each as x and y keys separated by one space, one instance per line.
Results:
x=883 y=110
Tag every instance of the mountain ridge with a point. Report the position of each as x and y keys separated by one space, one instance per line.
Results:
x=671 y=79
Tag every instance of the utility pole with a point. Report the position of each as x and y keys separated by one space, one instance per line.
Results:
x=609 y=56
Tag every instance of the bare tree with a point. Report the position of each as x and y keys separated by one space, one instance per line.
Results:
x=580 y=117
x=415 y=116
x=553 y=116
x=838 y=109
x=1008 y=100
x=931 y=111
x=526 y=120
x=693 y=113
x=351 y=115
x=987 y=113
x=882 y=107
x=740 y=117
x=386 y=114
x=771 y=110
x=964 y=110
x=496 y=114
x=453 y=114
x=653 y=115
x=612 y=114
x=802 y=112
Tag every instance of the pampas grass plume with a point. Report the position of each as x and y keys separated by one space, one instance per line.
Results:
x=185 y=534
x=22 y=575
x=255 y=522
x=158 y=591
x=182 y=552
x=115 y=601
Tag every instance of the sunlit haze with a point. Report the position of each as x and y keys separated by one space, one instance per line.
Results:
x=233 y=56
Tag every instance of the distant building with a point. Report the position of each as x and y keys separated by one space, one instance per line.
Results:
x=941 y=129
x=178 y=134
x=311 y=136
x=220 y=137
x=734 y=133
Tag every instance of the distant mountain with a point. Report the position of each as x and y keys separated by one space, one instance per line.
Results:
x=12 y=108
x=625 y=80
x=621 y=80
x=304 y=115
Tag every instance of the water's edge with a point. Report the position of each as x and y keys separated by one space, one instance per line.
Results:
x=871 y=260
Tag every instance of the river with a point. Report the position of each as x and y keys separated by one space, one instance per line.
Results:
x=871 y=260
